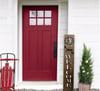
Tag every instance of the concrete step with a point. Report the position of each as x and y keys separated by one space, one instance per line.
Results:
x=54 y=90
x=40 y=90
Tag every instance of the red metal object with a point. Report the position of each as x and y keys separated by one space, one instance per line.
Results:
x=39 y=45
x=7 y=71
x=9 y=59
x=7 y=78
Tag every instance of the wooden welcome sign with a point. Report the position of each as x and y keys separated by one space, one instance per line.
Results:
x=68 y=63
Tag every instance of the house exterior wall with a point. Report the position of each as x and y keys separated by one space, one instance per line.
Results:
x=83 y=22
x=8 y=27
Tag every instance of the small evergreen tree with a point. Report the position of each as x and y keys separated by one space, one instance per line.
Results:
x=86 y=71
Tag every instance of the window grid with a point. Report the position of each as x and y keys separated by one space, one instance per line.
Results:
x=47 y=20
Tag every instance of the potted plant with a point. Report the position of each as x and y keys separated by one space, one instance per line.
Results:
x=86 y=70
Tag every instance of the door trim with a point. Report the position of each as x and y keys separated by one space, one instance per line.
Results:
x=21 y=40
x=19 y=75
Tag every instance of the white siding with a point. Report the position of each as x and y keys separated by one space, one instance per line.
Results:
x=8 y=27
x=83 y=22
x=8 y=13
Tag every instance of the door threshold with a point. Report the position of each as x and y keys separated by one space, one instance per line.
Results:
x=39 y=85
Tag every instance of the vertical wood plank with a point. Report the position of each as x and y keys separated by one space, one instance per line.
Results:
x=68 y=63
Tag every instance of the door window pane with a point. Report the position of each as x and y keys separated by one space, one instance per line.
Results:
x=48 y=13
x=32 y=13
x=32 y=21
x=40 y=13
x=39 y=21
x=47 y=21
x=40 y=17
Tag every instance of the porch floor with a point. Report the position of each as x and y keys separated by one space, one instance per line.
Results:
x=40 y=90
x=38 y=86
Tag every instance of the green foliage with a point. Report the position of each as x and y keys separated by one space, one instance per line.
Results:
x=86 y=67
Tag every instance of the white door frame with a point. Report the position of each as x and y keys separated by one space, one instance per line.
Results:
x=34 y=3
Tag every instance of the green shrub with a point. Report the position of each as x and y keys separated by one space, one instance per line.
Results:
x=86 y=67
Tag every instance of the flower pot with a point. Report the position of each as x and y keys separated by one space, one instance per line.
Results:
x=84 y=87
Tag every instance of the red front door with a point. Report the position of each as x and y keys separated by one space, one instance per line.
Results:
x=40 y=26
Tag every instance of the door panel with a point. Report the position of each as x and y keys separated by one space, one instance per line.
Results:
x=40 y=26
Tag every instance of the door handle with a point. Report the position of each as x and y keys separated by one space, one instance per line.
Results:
x=55 y=49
